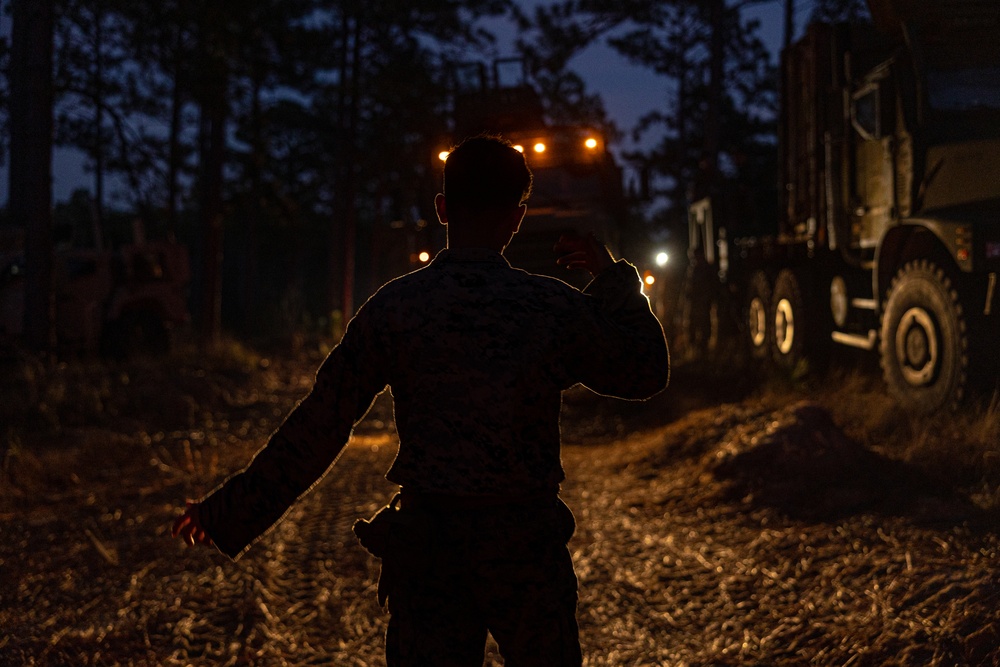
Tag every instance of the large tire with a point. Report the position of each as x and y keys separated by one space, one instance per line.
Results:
x=924 y=344
x=759 y=325
x=788 y=345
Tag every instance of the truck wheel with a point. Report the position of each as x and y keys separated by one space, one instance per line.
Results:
x=758 y=322
x=790 y=321
x=924 y=345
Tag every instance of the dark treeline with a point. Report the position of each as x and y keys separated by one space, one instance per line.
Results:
x=290 y=144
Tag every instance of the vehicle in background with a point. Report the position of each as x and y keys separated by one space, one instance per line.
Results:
x=888 y=237
x=577 y=185
x=121 y=303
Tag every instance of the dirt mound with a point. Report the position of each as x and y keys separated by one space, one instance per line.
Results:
x=804 y=465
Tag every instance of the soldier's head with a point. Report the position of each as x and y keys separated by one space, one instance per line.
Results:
x=486 y=182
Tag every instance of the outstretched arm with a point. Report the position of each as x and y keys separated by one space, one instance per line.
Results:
x=298 y=454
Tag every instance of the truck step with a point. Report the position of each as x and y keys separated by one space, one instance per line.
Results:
x=856 y=340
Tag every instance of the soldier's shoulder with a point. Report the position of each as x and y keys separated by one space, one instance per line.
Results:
x=409 y=282
x=546 y=284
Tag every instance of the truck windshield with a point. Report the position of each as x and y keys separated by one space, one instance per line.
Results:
x=564 y=187
x=969 y=89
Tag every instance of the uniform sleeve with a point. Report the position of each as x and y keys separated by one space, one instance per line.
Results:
x=307 y=443
x=618 y=347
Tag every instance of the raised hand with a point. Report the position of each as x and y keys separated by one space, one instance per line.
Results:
x=583 y=252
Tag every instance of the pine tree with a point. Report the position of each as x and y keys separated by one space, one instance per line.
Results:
x=721 y=75
x=831 y=11
x=31 y=104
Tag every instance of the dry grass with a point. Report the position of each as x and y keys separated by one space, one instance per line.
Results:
x=758 y=529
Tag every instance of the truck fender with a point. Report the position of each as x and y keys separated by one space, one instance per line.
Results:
x=912 y=240
x=887 y=260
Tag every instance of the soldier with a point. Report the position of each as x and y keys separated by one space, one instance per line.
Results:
x=476 y=355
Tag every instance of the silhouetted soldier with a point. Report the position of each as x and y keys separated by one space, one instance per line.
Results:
x=476 y=355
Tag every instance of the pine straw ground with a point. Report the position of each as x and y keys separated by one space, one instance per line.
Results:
x=763 y=529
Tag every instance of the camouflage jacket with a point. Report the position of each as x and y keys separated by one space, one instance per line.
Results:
x=476 y=355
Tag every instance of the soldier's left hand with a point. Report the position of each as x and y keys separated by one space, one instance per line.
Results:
x=189 y=528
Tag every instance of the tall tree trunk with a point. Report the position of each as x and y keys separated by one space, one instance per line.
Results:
x=252 y=221
x=339 y=255
x=213 y=123
x=212 y=149
x=98 y=211
x=31 y=127
x=682 y=169
x=789 y=23
x=351 y=189
x=717 y=48
x=176 y=109
x=174 y=159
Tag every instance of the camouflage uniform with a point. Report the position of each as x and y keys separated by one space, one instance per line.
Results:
x=476 y=355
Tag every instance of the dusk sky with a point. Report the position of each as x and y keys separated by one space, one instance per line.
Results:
x=628 y=91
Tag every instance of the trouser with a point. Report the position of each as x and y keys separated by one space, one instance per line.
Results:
x=451 y=574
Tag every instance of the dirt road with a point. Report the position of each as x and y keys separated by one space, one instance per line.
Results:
x=748 y=533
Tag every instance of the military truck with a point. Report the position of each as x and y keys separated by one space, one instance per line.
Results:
x=888 y=236
x=577 y=183
x=121 y=303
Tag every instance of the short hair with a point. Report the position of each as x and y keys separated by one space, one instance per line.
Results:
x=486 y=173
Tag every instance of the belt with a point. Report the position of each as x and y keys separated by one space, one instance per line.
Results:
x=437 y=502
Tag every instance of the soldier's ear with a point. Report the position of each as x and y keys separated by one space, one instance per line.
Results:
x=442 y=210
x=521 y=210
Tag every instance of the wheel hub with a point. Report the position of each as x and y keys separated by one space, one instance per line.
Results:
x=784 y=326
x=917 y=347
x=758 y=322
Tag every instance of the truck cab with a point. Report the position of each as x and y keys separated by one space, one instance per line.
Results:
x=923 y=196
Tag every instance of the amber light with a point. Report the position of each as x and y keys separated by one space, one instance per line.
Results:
x=539 y=147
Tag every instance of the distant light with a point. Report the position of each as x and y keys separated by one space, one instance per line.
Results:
x=590 y=143
x=424 y=257
x=539 y=147
x=650 y=279
x=519 y=148
x=662 y=259
x=443 y=155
